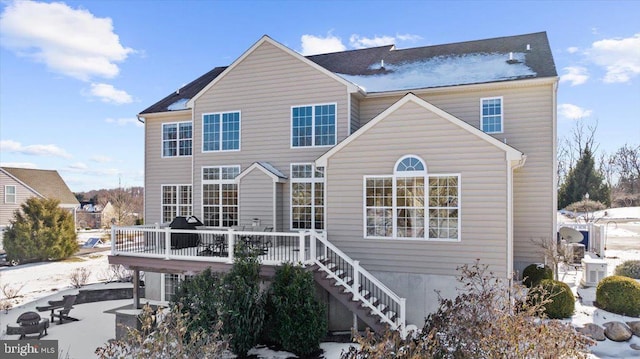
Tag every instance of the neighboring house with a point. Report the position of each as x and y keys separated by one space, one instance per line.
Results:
x=19 y=184
x=412 y=162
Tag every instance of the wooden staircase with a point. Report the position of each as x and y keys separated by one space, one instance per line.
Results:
x=353 y=286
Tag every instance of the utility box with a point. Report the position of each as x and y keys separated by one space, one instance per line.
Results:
x=593 y=271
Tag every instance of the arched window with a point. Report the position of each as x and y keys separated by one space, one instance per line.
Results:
x=412 y=204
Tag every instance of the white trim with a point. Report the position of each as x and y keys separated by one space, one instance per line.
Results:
x=312 y=180
x=394 y=206
x=177 y=185
x=259 y=166
x=554 y=114
x=501 y=114
x=177 y=140
x=266 y=39
x=313 y=125
x=15 y=194
x=469 y=88
x=349 y=109
x=512 y=153
x=202 y=150
x=220 y=182
x=22 y=183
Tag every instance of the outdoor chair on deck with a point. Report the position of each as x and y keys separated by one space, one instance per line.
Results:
x=63 y=308
x=30 y=323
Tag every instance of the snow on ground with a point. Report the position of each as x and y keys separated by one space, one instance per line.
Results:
x=49 y=281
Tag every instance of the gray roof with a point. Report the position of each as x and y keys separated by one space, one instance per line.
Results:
x=385 y=68
x=47 y=183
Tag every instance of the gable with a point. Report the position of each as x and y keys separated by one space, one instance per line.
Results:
x=44 y=183
x=287 y=58
x=264 y=168
x=424 y=116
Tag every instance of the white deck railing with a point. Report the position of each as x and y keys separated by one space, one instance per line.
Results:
x=273 y=248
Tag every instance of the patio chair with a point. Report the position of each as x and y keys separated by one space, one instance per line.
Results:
x=30 y=323
x=63 y=308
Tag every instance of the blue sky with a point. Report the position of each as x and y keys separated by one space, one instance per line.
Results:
x=74 y=74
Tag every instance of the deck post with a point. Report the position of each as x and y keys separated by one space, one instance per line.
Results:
x=403 y=317
x=301 y=237
x=167 y=243
x=231 y=245
x=136 y=287
x=113 y=240
x=312 y=246
x=356 y=280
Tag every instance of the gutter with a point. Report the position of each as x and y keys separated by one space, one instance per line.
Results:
x=141 y=119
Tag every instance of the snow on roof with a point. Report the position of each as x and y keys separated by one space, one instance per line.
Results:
x=445 y=71
x=181 y=104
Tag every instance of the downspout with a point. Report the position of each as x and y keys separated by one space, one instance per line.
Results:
x=512 y=165
x=144 y=173
x=554 y=216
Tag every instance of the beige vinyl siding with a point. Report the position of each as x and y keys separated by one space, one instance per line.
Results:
x=162 y=171
x=263 y=87
x=256 y=192
x=22 y=194
x=528 y=127
x=446 y=149
x=355 y=113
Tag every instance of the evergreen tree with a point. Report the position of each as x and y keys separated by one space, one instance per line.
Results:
x=295 y=318
x=40 y=230
x=582 y=179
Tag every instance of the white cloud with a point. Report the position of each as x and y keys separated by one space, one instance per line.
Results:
x=69 y=41
x=312 y=45
x=573 y=112
x=108 y=93
x=577 y=75
x=408 y=37
x=572 y=49
x=78 y=166
x=101 y=159
x=33 y=150
x=620 y=57
x=125 y=121
x=19 y=164
x=359 y=42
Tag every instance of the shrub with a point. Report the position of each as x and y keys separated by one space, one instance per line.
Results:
x=79 y=277
x=629 y=269
x=200 y=297
x=561 y=303
x=481 y=322
x=40 y=230
x=242 y=308
x=163 y=335
x=620 y=295
x=297 y=319
x=534 y=273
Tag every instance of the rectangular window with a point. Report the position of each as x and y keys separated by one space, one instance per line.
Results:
x=313 y=125
x=171 y=284
x=491 y=118
x=176 y=201
x=395 y=207
x=177 y=139
x=10 y=194
x=379 y=206
x=221 y=131
x=307 y=197
x=220 y=196
x=443 y=207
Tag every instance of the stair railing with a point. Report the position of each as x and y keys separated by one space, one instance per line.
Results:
x=363 y=285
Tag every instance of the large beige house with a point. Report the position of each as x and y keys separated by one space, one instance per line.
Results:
x=407 y=163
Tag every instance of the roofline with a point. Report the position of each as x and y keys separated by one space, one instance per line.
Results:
x=259 y=166
x=470 y=87
x=21 y=182
x=512 y=154
x=174 y=113
x=265 y=38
